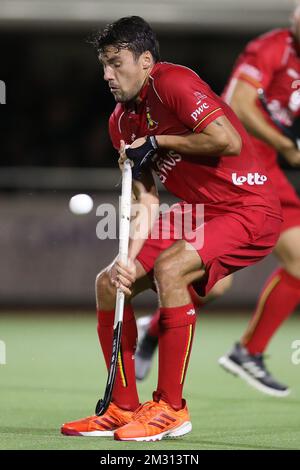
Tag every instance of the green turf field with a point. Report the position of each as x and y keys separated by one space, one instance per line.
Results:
x=54 y=373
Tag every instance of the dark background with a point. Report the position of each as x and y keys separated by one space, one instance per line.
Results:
x=58 y=103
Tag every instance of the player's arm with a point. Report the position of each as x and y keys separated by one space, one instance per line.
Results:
x=216 y=139
x=244 y=103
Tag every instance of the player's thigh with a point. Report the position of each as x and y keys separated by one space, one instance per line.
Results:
x=288 y=250
x=179 y=260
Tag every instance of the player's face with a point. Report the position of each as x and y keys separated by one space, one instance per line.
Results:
x=124 y=73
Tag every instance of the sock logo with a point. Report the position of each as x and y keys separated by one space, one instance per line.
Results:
x=191 y=312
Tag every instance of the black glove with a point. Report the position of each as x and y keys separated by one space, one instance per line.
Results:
x=142 y=156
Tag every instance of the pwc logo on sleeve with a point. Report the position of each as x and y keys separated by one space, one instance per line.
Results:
x=250 y=178
x=202 y=105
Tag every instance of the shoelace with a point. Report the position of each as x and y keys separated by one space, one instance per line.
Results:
x=259 y=369
x=260 y=360
x=144 y=411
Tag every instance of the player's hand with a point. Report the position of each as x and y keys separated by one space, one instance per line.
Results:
x=292 y=156
x=123 y=277
x=142 y=152
x=122 y=155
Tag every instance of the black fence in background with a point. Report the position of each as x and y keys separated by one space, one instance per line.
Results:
x=58 y=103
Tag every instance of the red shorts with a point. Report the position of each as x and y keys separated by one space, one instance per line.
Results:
x=231 y=242
x=289 y=199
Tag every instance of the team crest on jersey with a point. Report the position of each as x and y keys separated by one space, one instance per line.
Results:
x=151 y=124
x=199 y=96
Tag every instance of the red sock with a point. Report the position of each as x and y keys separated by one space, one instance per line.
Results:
x=124 y=392
x=154 y=327
x=278 y=300
x=175 y=343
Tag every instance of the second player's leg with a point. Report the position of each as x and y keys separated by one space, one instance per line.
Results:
x=280 y=295
x=288 y=251
x=279 y=298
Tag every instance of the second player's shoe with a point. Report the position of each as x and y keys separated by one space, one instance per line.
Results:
x=154 y=421
x=252 y=369
x=99 y=426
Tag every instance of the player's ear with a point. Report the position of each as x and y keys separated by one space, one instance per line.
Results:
x=147 y=60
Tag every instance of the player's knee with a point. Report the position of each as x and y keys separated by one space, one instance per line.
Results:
x=292 y=265
x=104 y=287
x=221 y=287
x=165 y=269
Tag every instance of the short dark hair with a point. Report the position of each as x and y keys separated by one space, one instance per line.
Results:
x=132 y=33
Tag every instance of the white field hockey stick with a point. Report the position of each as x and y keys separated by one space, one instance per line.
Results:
x=124 y=228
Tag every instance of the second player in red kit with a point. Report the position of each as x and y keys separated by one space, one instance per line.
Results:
x=175 y=126
x=270 y=63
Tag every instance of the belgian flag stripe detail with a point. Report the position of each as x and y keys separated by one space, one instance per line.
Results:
x=187 y=352
x=209 y=114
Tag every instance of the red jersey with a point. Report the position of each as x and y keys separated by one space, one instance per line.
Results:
x=271 y=62
x=175 y=101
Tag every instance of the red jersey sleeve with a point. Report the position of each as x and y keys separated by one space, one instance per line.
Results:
x=114 y=133
x=261 y=59
x=188 y=97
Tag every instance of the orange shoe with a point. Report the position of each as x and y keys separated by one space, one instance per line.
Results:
x=154 y=421
x=102 y=426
